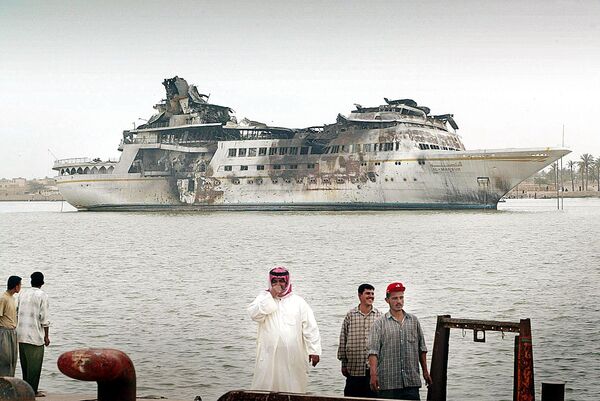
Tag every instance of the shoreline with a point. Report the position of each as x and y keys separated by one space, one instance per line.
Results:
x=32 y=198
x=530 y=195
x=526 y=195
x=552 y=195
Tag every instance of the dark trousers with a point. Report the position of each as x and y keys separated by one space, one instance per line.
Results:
x=406 y=393
x=8 y=352
x=31 y=357
x=358 y=386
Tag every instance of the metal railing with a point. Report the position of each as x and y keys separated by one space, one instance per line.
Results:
x=84 y=160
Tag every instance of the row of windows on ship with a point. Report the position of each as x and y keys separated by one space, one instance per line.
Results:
x=379 y=147
x=309 y=166
x=86 y=170
x=313 y=180
x=353 y=148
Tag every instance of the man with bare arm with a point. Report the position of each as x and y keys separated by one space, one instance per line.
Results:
x=8 y=325
x=32 y=330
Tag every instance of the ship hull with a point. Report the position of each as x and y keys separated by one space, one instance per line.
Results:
x=441 y=180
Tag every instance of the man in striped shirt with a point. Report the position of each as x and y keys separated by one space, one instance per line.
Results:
x=396 y=348
x=352 y=350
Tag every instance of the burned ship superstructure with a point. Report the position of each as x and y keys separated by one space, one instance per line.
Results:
x=193 y=154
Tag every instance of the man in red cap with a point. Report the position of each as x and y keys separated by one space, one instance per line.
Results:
x=396 y=348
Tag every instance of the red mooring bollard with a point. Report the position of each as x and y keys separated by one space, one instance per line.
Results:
x=111 y=368
x=13 y=389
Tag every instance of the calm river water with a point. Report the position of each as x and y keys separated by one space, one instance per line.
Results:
x=170 y=289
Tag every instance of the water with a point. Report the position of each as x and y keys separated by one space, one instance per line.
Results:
x=171 y=289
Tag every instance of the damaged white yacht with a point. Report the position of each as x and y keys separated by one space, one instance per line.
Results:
x=193 y=155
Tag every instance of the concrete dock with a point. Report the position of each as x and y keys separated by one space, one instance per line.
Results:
x=89 y=397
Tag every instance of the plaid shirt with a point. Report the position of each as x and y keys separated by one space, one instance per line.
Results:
x=352 y=350
x=397 y=346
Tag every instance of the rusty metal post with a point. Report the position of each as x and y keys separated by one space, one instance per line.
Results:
x=13 y=389
x=439 y=362
x=553 y=391
x=111 y=368
x=516 y=368
x=525 y=390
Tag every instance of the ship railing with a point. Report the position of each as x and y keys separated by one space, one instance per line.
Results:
x=77 y=160
x=143 y=141
x=83 y=160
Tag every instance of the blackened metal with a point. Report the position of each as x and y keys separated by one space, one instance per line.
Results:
x=477 y=337
x=553 y=391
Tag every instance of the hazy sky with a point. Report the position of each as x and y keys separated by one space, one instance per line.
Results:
x=75 y=74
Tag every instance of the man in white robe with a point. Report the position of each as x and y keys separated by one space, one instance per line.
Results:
x=288 y=337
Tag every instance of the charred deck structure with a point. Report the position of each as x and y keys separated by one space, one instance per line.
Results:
x=194 y=155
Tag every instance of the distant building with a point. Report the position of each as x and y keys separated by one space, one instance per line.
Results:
x=21 y=189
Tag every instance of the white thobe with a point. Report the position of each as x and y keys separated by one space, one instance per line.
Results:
x=287 y=335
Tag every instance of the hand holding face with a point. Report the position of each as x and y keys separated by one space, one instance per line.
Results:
x=276 y=289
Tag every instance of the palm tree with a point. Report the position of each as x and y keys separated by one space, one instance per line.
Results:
x=597 y=164
x=571 y=164
x=586 y=159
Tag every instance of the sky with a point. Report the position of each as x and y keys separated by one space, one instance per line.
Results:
x=75 y=74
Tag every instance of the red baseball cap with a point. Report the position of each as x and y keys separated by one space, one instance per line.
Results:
x=395 y=287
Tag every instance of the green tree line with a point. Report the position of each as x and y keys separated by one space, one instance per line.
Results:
x=577 y=175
